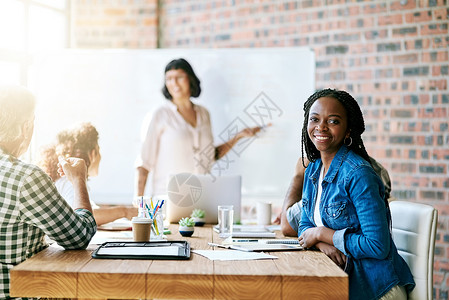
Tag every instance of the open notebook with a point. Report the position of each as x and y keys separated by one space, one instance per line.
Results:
x=260 y=244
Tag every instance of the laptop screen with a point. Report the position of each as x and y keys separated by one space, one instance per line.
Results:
x=188 y=191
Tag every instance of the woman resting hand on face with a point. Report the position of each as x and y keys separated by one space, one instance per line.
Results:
x=345 y=213
x=80 y=141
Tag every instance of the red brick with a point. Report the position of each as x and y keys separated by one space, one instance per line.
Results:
x=440 y=42
x=408 y=85
x=440 y=183
x=435 y=56
x=336 y=25
x=438 y=276
x=416 y=17
x=433 y=85
x=441 y=266
x=376 y=34
x=362 y=48
x=427 y=3
x=443 y=209
x=405 y=58
x=390 y=20
x=115 y=12
x=362 y=22
x=440 y=14
x=425 y=43
x=346 y=11
x=436 y=28
x=436 y=70
x=316 y=3
x=360 y=75
x=424 y=99
x=397 y=5
x=440 y=126
x=375 y=8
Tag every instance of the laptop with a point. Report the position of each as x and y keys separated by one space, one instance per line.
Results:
x=188 y=191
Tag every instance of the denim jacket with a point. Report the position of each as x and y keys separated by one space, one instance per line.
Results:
x=352 y=204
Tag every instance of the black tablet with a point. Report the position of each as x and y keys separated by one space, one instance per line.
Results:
x=143 y=250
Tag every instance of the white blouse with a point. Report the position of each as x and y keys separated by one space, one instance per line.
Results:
x=66 y=190
x=317 y=214
x=171 y=145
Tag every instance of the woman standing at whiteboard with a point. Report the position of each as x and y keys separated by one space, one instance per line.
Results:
x=179 y=135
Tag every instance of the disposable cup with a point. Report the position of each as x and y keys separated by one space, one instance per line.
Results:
x=141 y=229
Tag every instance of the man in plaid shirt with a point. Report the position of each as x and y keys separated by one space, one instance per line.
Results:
x=30 y=205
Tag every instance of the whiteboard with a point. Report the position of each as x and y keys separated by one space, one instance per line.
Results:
x=116 y=89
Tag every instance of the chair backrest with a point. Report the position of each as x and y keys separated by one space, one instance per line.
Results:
x=414 y=229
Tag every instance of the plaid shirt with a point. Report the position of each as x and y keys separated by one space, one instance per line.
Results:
x=30 y=208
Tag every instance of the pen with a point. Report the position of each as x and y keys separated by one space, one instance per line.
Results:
x=233 y=247
x=219 y=245
x=245 y=241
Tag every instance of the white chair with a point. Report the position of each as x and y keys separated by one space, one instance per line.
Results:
x=414 y=229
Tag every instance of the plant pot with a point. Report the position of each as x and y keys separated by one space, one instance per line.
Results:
x=186 y=231
x=199 y=221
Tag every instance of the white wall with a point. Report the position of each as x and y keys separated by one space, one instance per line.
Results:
x=116 y=89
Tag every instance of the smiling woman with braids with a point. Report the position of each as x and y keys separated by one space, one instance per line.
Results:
x=345 y=212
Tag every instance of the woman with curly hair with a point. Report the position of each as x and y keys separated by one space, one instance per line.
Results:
x=82 y=142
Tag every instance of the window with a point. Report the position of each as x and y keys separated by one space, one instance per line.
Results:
x=10 y=72
x=12 y=25
x=28 y=27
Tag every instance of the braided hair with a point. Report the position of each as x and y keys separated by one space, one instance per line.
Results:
x=356 y=124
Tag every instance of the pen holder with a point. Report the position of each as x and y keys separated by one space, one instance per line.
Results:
x=158 y=226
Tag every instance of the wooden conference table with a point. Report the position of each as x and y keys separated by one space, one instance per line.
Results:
x=55 y=272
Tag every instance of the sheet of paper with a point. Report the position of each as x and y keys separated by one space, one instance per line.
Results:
x=117 y=225
x=232 y=255
x=101 y=237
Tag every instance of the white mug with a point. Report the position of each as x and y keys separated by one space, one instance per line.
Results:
x=263 y=213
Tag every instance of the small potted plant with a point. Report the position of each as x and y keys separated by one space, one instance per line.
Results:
x=198 y=216
x=186 y=226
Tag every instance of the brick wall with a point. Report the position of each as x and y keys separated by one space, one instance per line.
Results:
x=392 y=56
x=114 y=24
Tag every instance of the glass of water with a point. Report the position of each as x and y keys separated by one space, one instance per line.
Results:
x=225 y=220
